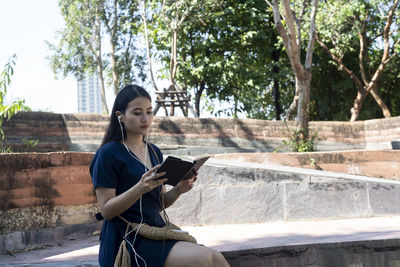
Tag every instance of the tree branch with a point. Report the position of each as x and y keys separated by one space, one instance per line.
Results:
x=363 y=44
x=299 y=20
x=340 y=64
x=310 y=47
x=386 y=31
x=385 y=57
x=292 y=42
x=281 y=31
x=146 y=37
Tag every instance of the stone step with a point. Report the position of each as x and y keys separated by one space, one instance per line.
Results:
x=373 y=242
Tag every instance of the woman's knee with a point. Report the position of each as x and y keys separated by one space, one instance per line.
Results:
x=187 y=254
x=218 y=259
x=202 y=256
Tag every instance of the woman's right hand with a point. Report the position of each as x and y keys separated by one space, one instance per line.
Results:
x=150 y=180
x=112 y=205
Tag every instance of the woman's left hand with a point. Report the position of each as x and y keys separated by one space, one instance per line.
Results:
x=186 y=185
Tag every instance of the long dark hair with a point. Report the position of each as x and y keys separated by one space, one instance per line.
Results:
x=126 y=95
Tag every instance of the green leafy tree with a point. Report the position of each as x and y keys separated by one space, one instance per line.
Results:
x=121 y=21
x=368 y=28
x=228 y=51
x=7 y=111
x=292 y=26
x=331 y=89
x=80 y=50
x=244 y=62
x=170 y=20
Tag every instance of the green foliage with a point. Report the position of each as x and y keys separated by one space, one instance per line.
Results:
x=30 y=144
x=299 y=141
x=228 y=52
x=332 y=92
x=313 y=162
x=225 y=54
x=7 y=111
x=5 y=148
x=340 y=23
x=336 y=22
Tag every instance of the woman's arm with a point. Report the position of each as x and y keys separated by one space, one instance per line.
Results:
x=170 y=197
x=182 y=187
x=111 y=205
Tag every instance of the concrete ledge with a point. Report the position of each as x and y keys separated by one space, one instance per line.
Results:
x=374 y=253
x=23 y=240
x=239 y=192
x=372 y=242
x=369 y=242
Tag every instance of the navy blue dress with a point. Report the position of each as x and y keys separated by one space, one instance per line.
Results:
x=113 y=167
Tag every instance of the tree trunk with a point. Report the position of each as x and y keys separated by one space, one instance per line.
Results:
x=293 y=106
x=276 y=92
x=200 y=85
x=293 y=50
x=379 y=100
x=303 y=107
x=111 y=24
x=113 y=31
x=97 y=52
x=149 y=63
x=197 y=98
x=358 y=102
x=102 y=89
x=277 y=98
x=127 y=62
x=173 y=62
x=114 y=68
x=235 y=107
x=146 y=37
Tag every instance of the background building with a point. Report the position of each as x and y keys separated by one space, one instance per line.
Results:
x=89 y=97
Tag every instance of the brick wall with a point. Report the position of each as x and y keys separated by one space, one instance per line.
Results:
x=83 y=132
x=40 y=190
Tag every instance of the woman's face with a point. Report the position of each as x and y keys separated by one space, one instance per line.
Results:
x=138 y=116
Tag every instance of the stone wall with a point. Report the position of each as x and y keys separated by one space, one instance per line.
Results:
x=40 y=190
x=83 y=132
x=48 y=190
x=238 y=192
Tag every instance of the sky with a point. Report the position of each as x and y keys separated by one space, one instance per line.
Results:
x=25 y=25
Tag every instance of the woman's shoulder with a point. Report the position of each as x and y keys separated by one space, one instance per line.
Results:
x=108 y=154
x=110 y=148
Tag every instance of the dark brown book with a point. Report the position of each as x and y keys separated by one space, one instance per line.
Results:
x=178 y=169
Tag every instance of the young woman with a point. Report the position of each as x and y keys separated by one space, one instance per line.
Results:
x=127 y=186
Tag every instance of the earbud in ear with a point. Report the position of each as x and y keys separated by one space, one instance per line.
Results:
x=119 y=117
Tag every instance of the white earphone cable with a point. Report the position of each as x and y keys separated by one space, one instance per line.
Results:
x=137 y=228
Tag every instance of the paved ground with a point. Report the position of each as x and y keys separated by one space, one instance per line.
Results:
x=83 y=252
